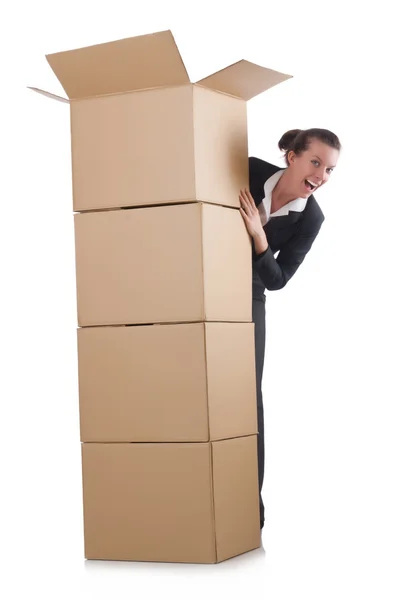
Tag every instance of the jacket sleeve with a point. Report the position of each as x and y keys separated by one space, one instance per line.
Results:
x=276 y=272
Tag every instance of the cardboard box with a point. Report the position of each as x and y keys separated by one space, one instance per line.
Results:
x=167 y=383
x=191 y=503
x=143 y=134
x=182 y=263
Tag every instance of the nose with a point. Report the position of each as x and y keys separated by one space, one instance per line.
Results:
x=322 y=175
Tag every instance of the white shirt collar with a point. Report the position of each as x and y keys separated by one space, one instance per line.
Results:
x=297 y=205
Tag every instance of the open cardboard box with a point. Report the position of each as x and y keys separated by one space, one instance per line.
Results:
x=143 y=134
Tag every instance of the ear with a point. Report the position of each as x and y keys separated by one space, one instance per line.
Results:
x=291 y=156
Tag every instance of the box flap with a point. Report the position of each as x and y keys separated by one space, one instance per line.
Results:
x=130 y=64
x=53 y=96
x=243 y=79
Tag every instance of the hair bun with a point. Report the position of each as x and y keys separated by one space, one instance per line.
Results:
x=286 y=141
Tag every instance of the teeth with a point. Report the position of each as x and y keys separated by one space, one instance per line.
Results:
x=311 y=183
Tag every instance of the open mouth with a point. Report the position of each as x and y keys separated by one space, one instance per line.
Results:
x=309 y=185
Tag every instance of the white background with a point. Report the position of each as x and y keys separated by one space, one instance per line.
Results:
x=329 y=383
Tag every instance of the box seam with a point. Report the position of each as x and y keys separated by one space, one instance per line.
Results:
x=213 y=500
x=203 y=304
x=194 y=142
x=206 y=382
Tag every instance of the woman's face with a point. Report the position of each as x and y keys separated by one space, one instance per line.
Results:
x=312 y=169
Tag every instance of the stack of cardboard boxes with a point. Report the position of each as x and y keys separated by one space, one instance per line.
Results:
x=163 y=266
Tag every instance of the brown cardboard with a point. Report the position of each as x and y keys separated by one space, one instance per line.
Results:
x=143 y=134
x=131 y=64
x=160 y=146
x=164 y=264
x=167 y=404
x=167 y=383
x=189 y=503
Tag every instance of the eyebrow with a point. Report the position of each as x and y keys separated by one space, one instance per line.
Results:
x=331 y=167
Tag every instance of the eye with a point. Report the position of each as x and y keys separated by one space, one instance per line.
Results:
x=315 y=162
x=330 y=169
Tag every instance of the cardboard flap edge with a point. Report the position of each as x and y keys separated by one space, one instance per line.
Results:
x=48 y=94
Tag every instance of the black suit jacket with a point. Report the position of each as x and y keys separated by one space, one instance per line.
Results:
x=291 y=235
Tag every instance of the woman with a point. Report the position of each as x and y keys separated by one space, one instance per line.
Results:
x=282 y=215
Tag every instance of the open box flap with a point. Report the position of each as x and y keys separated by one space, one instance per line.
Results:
x=243 y=79
x=140 y=62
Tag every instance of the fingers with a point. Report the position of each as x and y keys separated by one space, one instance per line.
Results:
x=244 y=215
x=250 y=198
x=244 y=203
x=247 y=202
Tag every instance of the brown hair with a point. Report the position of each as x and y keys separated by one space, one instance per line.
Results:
x=298 y=140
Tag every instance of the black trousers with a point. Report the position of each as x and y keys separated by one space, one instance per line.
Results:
x=259 y=318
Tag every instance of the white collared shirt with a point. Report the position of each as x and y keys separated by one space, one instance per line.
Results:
x=297 y=205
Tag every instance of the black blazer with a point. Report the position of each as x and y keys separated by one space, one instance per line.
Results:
x=291 y=235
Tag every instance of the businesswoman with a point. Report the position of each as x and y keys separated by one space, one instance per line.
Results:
x=281 y=215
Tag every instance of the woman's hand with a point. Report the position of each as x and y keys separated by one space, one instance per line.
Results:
x=250 y=214
x=253 y=221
